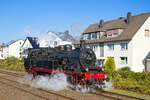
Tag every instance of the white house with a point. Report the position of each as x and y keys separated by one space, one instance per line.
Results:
x=3 y=51
x=126 y=39
x=30 y=42
x=51 y=39
x=14 y=48
x=19 y=48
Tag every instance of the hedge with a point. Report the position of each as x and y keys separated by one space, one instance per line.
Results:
x=128 y=80
x=12 y=63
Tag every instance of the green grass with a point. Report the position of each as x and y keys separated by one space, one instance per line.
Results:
x=130 y=93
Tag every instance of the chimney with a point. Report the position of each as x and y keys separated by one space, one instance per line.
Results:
x=129 y=17
x=101 y=23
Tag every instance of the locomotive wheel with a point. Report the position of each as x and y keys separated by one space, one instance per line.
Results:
x=79 y=83
x=34 y=75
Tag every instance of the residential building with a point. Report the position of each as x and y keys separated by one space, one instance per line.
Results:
x=14 y=48
x=147 y=62
x=3 y=51
x=52 y=39
x=126 y=39
x=30 y=42
x=19 y=48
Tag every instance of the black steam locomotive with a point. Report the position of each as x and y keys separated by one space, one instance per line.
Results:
x=78 y=64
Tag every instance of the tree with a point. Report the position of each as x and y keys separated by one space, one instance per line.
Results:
x=110 y=65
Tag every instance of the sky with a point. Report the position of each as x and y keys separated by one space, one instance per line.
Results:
x=21 y=18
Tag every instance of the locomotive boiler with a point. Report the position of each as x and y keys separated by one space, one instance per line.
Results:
x=78 y=64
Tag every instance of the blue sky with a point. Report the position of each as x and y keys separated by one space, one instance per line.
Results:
x=19 y=17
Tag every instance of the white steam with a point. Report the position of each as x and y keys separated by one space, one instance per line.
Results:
x=58 y=82
x=84 y=89
x=108 y=85
x=54 y=82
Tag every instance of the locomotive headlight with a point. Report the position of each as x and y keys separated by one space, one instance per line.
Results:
x=105 y=76
x=87 y=69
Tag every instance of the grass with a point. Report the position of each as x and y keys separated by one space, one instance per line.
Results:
x=130 y=93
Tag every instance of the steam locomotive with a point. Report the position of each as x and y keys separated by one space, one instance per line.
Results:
x=78 y=64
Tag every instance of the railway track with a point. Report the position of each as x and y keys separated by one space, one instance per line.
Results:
x=17 y=85
x=21 y=89
x=33 y=93
x=11 y=73
x=106 y=94
x=117 y=96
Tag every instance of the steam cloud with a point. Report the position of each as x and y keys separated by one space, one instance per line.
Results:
x=55 y=82
x=58 y=82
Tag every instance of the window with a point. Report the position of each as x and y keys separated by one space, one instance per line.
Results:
x=124 y=46
x=124 y=60
x=94 y=35
x=86 y=36
x=20 y=49
x=110 y=46
x=98 y=35
x=94 y=47
x=100 y=62
x=55 y=43
x=101 y=50
x=1 y=49
x=115 y=33
x=147 y=33
x=109 y=33
x=87 y=46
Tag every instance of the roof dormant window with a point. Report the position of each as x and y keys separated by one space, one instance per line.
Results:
x=94 y=35
x=110 y=46
x=147 y=33
x=124 y=46
x=116 y=34
x=87 y=36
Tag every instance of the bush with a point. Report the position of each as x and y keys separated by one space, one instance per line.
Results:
x=124 y=69
x=12 y=63
x=128 y=80
x=110 y=65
